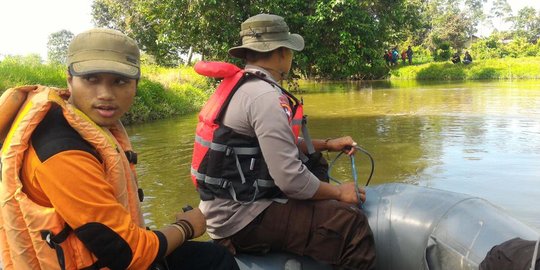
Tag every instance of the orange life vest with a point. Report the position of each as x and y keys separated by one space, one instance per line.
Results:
x=219 y=153
x=23 y=222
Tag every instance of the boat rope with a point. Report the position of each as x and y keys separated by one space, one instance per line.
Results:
x=353 y=171
x=535 y=254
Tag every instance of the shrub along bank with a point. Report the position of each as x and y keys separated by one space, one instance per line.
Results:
x=490 y=69
x=165 y=92
x=161 y=93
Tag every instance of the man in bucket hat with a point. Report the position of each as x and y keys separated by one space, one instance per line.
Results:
x=296 y=212
x=69 y=192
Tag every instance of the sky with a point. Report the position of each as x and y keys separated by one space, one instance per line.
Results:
x=25 y=25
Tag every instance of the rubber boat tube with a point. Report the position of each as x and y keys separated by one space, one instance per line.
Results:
x=420 y=228
x=424 y=228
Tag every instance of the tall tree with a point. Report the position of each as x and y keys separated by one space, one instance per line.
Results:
x=453 y=21
x=527 y=24
x=501 y=9
x=57 y=46
x=343 y=37
x=456 y=31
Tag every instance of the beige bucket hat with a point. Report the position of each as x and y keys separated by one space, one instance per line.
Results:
x=103 y=50
x=264 y=33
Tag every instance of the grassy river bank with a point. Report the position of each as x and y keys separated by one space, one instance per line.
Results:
x=165 y=92
x=491 y=69
x=161 y=93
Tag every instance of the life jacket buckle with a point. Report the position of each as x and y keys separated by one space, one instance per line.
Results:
x=228 y=151
x=46 y=235
x=54 y=242
x=131 y=157
x=225 y=184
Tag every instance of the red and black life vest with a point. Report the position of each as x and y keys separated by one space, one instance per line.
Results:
x=227 y=164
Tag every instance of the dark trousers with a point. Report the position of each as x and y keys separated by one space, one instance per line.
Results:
x=201 y=256
x=328 y=231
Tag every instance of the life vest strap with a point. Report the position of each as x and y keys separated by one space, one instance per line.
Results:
x=295 y=105
x=232 y=192
x=226 y=184
x=297 y=122
x=265 y=183
x=221 y=182
x=239 y=168
x=54 y=242
x=131 y=156
x=307 y=138
x=228 y=149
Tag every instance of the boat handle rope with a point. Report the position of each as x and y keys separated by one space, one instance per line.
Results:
x=353 y=170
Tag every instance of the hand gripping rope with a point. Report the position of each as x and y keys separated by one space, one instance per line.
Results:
x=353 y=170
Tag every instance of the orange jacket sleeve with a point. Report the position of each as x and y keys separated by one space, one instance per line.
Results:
x=73 y=182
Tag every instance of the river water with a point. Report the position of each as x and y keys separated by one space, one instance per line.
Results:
x=478 y=138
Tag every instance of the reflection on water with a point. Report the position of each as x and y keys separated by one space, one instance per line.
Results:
x=479 y=138
x=164 y=150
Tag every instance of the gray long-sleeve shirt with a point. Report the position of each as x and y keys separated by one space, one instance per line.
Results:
x=258 y=109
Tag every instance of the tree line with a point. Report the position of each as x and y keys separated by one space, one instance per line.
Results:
x=344 y=38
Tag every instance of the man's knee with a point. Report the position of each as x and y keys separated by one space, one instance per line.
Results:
x=342 y=236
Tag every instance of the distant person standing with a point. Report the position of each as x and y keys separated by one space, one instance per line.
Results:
x=403 y=56
x=409 y=54
x=467 y=58
x=395 y=55
x=387 y=57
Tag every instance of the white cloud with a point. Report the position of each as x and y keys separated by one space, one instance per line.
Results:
x=519 y=4
x=516 y=5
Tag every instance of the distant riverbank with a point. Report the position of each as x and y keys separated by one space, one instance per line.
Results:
x=165 y=92
x=491 y=69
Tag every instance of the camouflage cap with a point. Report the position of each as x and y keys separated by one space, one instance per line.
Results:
x=264 y=33
x=103 y=50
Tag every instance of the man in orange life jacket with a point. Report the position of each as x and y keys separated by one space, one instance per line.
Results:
x=76 y=205
x=293 y=211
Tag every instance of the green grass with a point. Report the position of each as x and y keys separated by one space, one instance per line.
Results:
x=165 y=92
x=162 y=92
x=14 y=73
x=491 y=69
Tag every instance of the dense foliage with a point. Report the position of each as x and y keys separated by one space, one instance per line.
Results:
x=161 y=93
x=496 y=47
x=343 y=37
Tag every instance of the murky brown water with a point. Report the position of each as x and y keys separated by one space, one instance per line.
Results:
x=479 y=138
